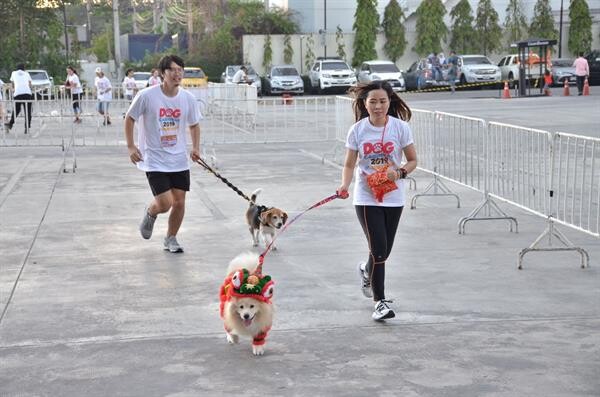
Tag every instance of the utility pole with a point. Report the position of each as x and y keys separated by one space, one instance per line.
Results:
x=117 y=38
x=325 y=27
x=88 y=28
x=560 y=23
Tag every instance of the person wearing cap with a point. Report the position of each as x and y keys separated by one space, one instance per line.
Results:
x=22 y=86
x=241 y=76
x=104 y=94
x=164 y=112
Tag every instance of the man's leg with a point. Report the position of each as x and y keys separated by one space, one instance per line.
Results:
x=177 y=211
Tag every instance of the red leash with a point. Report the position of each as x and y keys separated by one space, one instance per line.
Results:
x=261 y=258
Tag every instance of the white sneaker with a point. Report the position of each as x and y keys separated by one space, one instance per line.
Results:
x=147 y=224
x=172 y=245
x=383 y=311
x=365 y=282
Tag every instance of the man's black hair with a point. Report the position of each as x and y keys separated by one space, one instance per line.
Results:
x=21 y=66
x=165 y=62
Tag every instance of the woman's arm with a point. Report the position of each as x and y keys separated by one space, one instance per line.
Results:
x=348 y=170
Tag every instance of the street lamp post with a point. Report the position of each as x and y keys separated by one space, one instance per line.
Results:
x=325 y=27
x=560 y=23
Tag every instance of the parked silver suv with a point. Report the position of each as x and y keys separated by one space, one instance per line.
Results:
x=330 y=73
x=284 y=79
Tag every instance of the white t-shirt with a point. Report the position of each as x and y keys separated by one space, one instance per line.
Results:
x=20 y=80
x=239 y=76
x=163 y=122
x=74 y=84
x=129 y=85
x=366 y=139
x=153 y=80
x=102 y=86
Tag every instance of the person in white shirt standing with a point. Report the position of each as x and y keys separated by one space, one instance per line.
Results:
x=1 y=100
x=164 y=112
x=154 y=78
x=104 y=94
x=74 y=85
x=22 y=93
x=129 y=86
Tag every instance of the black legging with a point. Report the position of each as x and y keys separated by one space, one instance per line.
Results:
x=76 y=98
x=379 y=225
x=27 y=106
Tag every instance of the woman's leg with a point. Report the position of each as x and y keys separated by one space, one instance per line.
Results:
x=372 y=220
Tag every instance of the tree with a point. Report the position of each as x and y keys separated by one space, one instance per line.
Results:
x=339 y=40
x=515 y=23
x=431 y=29
x=33 y=35
x=580 y=30
x=366 y=23
x=309 y=56
x=288 y=51
x=267 y=53
x=542 y=23
x=394 y=30
x=486 y=26
x=462 y=33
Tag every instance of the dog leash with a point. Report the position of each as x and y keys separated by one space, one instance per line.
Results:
x=215 y=173
x=261 y=258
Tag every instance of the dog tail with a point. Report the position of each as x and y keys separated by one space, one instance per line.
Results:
x=254 y=195
x=246 y=260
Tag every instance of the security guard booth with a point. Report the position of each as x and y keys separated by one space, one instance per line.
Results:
x=525 y=66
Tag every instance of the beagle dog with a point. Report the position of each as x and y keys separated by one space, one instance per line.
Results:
x=264 y=221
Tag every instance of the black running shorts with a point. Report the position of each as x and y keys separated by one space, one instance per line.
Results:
x=160 y=182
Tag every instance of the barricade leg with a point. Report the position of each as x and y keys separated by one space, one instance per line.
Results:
x=489 y=207
x=439 y=189
x=550 y=232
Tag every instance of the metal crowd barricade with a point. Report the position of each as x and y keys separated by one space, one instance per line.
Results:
x=302 y=119
x=574 y=193
x=433 y=131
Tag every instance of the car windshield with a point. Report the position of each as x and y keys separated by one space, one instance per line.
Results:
x=335 y=66
x=284 y=72
x=38 y=75
x=193 y=73
x=141 y=76
x=476 y=61
x=385 y=68
x=562 y=63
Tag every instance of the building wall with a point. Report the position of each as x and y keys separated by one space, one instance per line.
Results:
x=253 y=47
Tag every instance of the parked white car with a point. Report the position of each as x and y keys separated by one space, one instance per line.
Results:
x=141 y=79
x=381 y=70
x=43 y=84
x=477 y=69
x=330 y=73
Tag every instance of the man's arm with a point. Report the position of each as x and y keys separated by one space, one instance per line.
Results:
x=134 y=153
x=195 y=135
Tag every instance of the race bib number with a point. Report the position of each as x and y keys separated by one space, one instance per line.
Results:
x=168 y=140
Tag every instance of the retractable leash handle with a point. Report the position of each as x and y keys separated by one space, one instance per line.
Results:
x=261 y=258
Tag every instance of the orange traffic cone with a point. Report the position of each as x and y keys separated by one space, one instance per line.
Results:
x=566 y=88
x=506 y=91
x=586 y=87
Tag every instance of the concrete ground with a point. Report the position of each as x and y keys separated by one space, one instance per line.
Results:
x=89 y=308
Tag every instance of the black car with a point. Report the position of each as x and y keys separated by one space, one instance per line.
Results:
x=593 y=59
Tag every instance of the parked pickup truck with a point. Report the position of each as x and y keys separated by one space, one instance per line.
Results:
x=509 y=68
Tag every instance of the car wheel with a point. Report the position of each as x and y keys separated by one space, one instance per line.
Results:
x=512 y=83
x=463 y=80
